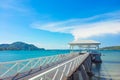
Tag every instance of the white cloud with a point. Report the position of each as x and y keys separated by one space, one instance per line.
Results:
x=98 y=25
x=97 y=29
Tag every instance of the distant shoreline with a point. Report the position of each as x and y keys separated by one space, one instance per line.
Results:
x=111 y=48
x=19 y=46
x=56 y=49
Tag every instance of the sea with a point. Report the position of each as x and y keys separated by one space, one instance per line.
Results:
x=109 y=69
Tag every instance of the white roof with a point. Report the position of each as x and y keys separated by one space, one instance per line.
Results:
x=84 y=42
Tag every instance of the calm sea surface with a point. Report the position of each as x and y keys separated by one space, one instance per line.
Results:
x=108 y=70
x=110 y=67
x=20 y=55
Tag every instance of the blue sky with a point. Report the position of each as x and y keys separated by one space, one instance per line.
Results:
x=52 y=24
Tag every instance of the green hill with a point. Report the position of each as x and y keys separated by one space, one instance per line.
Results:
x=19 y=46
x=111 y=48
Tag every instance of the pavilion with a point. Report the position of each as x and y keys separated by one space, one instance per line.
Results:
x=86 y=44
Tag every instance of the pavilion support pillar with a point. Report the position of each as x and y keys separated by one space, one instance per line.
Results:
x=71 y=48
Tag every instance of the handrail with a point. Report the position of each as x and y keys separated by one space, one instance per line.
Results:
x=12 y=68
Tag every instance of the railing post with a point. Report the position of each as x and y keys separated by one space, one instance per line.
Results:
x=69 y=68
x=55 y=74
x=63 y=72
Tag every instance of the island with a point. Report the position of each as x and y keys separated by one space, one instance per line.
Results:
x=111 y=48
x=19 y=46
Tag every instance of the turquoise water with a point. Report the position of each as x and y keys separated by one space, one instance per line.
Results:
x=108 y=70
x=20 y=55
x=110 y=67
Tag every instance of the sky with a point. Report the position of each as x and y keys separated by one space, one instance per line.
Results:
x=52 y=24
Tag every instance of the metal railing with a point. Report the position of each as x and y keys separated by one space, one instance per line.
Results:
x=8 y=69
x=63 y=70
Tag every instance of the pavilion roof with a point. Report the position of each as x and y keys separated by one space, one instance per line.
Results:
x=84 y=42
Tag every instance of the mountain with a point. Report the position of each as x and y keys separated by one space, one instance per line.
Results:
x=19 y=46
x=111 y=48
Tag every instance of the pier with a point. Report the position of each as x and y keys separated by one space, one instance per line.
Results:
x=70 y=66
